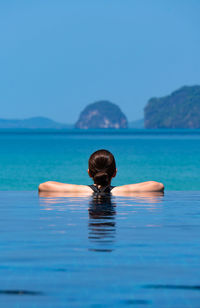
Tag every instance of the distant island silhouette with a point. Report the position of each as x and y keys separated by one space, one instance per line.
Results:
x=102 y=114
x=181 y=109
x=32 y=123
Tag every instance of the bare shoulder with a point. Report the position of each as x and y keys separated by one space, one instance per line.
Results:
x=150 y=186
x=63 y=187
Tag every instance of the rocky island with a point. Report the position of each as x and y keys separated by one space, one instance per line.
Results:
x=181 y=109
x=102 y=114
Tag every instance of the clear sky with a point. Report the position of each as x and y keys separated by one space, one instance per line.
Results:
x=57 y=56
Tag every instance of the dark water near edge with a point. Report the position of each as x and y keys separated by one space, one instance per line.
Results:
x=169 y=156
x=74 y=252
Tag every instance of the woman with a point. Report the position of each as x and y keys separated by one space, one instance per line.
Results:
x=102 y=168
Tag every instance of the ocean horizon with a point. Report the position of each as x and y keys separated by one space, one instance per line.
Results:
x=29 y=157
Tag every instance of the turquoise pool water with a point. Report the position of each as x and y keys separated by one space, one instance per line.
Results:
x=169 y=156
x=140 y=251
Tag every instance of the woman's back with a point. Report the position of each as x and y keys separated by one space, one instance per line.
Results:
x=102 y=168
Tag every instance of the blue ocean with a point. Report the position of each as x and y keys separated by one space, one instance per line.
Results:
x=168 y=156
x=114 y=251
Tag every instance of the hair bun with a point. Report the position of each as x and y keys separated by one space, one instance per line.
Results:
x=101 y=178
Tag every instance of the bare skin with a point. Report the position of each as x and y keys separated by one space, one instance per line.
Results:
x=150 y=186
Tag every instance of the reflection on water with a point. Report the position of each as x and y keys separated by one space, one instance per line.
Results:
x=58 y=244
x=102 y=211
x=148 y=196
x=101 y=226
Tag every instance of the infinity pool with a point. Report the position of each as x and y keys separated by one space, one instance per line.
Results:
x=140 y=251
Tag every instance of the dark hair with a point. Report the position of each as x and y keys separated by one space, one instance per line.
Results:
x=102 y=167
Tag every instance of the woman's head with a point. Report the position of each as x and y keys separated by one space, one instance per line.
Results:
x=102 y=167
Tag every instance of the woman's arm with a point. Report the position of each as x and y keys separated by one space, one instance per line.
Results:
x=150 y=186
x=62 y=187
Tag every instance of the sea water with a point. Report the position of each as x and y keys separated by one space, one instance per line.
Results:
x=140 y=251
x=168 y=156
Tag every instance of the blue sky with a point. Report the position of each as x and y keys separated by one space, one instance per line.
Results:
x=58 y=56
